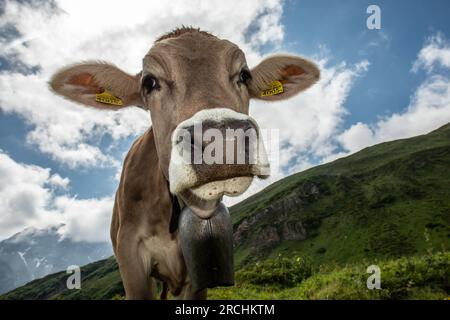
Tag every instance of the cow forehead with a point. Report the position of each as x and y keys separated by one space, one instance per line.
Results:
x=193 y=47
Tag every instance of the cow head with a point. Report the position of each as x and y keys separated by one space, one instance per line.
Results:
x=197 y=88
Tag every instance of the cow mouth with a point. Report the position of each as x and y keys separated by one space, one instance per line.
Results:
x=216 y=189
x=204 y=199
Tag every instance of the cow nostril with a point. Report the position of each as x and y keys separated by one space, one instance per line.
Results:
x=235 y=138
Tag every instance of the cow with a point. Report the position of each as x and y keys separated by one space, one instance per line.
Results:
x=188 y=76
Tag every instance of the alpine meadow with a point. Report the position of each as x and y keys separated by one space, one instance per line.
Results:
x=312 y=235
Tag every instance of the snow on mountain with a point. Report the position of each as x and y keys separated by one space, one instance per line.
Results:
x=34 y=253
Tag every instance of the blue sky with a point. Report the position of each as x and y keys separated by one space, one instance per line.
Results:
x=340 y=26
x=370 y=90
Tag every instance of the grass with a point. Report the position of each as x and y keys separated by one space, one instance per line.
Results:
x=417 y=277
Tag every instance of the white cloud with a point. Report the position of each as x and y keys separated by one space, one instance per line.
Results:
x=81 y=30
x=23 y=194
x=58 y=181
x=436 y=52
x=429 y=106
x=85 y=219
x=382 y=39
x=357 y=137
x=27 y=198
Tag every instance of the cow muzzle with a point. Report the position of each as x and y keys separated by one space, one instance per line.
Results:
x=216 y=152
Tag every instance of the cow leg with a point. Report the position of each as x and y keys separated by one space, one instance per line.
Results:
x=164 y=291
x=134 y=271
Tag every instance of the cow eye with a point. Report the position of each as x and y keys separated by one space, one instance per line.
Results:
x=245 y=76
x=149 y=83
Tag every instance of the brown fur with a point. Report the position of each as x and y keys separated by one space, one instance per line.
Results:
x=141 y=215
x=179 y=31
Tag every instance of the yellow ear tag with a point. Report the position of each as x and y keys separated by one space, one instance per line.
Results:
x=275 y=87
x=107 y=98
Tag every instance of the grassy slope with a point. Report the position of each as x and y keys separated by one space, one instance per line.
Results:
x=100 y=280
x=387 y=201
x=367 y=159
x=418 y=277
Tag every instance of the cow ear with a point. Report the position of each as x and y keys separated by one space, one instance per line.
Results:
x=97 y=84
x=281 y=77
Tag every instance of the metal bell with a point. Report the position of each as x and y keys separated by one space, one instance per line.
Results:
x=207 y=247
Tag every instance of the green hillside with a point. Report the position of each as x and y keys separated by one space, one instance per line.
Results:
x=100 y=280
x=312 y=235
x=386 y=201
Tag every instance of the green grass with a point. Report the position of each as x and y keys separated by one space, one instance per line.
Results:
x=100 y=280
x=417 y=277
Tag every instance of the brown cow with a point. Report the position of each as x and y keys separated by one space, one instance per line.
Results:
x=188 y=76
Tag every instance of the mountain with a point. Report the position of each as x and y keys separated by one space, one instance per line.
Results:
x=33 y=253
x=388 y=204
x=388 y=200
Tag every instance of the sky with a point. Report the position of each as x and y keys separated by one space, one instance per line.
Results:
x=60 y=162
